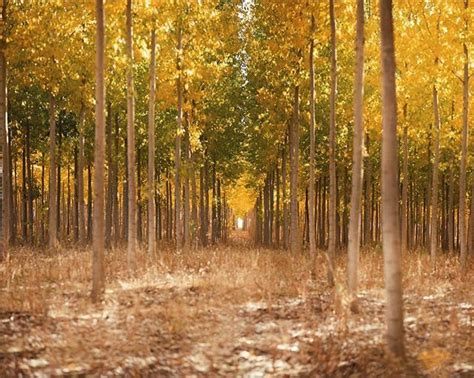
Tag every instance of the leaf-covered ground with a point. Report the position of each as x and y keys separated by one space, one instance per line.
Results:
x=227 y=311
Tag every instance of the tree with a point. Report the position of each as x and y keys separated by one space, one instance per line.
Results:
x=131 y=167
x=53 y=221
x=357 y=155
x=151 y=150
x=294 y=157
x=390 y=185
x=177 y=150
x=465 y=121
x=98 y=275
x=4 y=161
x=312 y=142
x=434 y=188
x=332 y=149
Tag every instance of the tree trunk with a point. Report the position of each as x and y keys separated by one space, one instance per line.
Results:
x=462 y=179
x=277 y=209
x=151 y=151
x=139 y=197
x=52 y=223
x=177 y=147
x=89 y=202
x=451 y=212
x=368 y=208
x=284 y=196
x=202 y=207
x=404 y=216
x=332 y=150
x=24 y=196
x=390 y=186
x=115 y=202
x=434 y=188
x=312 y=148
x=80 y=179
x=294 y=159
x=5 y=192
x=132 y=205
x=194 y=211
x=266 y=213
x=110 y=188
x=357 y=156
x=187 y=194
x=98 y=274
x=29 y=167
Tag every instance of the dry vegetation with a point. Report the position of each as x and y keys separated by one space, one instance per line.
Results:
x=229 y=310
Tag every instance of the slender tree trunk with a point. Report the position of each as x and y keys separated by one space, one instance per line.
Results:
x=89 y=202
x=98 y=274
x=277 y=210
x=177 y=147
x=53 y=222
x=451 y=212
x=194 y=210
x=151 y=151
x=115 y=199
x=462 y=179
x=139 y=197
x=294 y=162
x=125 y=195
x=187 y=194
x=29 y=167
x=5 y=192
x=434 y=188
x=214 y=207
x=332 y=149
x=110 y=188
x=202 y=207
x=390 y=186
x=404 y=217
x=368 y=208
x=24 y=196
x=59 y=180
x=312 y=148
x=132 y=188
x=206 y=193
x=266 y=213
x=284 y=197
x=80 y=179
x=42 y=198
x=357 y=156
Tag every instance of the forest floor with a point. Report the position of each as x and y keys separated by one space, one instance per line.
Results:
x=230 y=310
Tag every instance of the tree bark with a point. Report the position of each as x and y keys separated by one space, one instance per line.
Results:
x=132 y=205
x=98 y=274
x=462 y=180
x=151 y=150
x=390 y=186
x=294 y=161
x=5 y=193
x=53 y=222
x=80 y=179
x=332 y=150
x=177 y=147
x=202 y=208
x=404 y=217
x=312 y=148
x=434 y=188
x=284 y=196
x=110 y=188
x=357 y=156
x=368 y=207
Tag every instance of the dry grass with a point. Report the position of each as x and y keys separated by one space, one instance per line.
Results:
x=209 y=303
